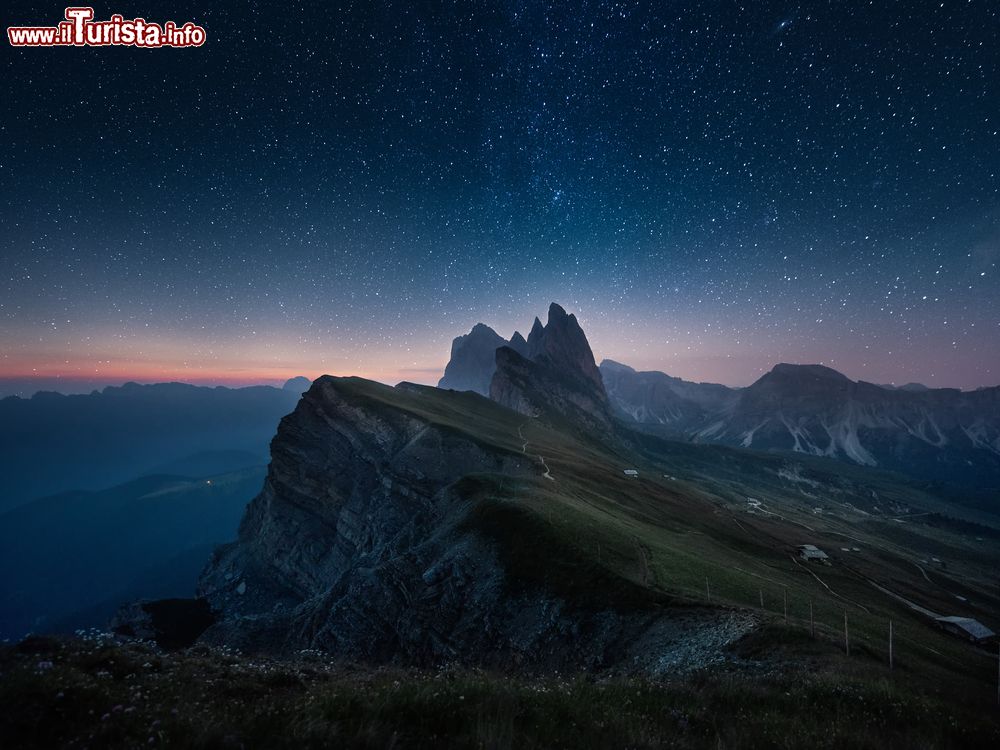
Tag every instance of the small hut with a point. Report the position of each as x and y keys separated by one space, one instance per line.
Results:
x=967 y=628
x=812 y=553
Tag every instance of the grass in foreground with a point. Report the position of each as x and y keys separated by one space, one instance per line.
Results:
x=94 y=692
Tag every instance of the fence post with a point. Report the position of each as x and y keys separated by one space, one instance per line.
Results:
x=784 y=601
x=708 y=591
x=847 y=637
x=812 y=622
x=761 y=598
x=890 y=646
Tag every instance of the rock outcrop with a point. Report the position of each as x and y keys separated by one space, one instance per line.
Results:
x=557 y=378
x=564 y=396
x=562 y=345
x=472 y=360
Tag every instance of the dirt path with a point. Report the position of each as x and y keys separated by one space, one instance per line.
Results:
x=824 y=584
x=524 y=450
x=644 y=563
x=912 y=605
x=547 y=475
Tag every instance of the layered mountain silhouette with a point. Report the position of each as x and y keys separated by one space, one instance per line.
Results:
x=654 y=398
x=559 y=344
x=122 y=493
x=70 y=560
x=52 y=443
x=936 y=434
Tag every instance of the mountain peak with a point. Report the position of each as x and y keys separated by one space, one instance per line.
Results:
x=518 y=344
x=808 y=371
x=563 y=344
x=560 y=346
x=300 y=384
x=556 y=311
x=472 y=360
x=612 y=366
x=536 y=330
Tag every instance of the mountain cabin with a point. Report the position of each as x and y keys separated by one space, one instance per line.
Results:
x=812 y=553
x=967 y=628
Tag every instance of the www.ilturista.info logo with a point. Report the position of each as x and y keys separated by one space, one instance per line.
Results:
x=80 y=30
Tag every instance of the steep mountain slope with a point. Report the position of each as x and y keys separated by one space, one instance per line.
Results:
x=52 y=443
x=562 y=345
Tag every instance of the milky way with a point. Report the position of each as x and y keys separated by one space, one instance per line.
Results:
x=711 y=187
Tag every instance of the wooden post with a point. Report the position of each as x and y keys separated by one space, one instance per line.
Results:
x=812 y=622
x=784 y=601
x=847 y=637
x=761 y=598
x=708 y=591
x=890 y=645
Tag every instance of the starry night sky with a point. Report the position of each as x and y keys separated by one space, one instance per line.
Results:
x=712 y=187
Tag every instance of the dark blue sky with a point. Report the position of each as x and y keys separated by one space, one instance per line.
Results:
x=712 y=187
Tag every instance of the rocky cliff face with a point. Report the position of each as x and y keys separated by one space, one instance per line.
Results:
x=562 y=345
x=472 y=360
x=367 y=542
x=541 y=389
x=552 y=372
x=558 y=378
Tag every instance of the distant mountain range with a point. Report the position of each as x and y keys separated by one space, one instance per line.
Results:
x=52 y=443
x=938 y=434
x=123 y=493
